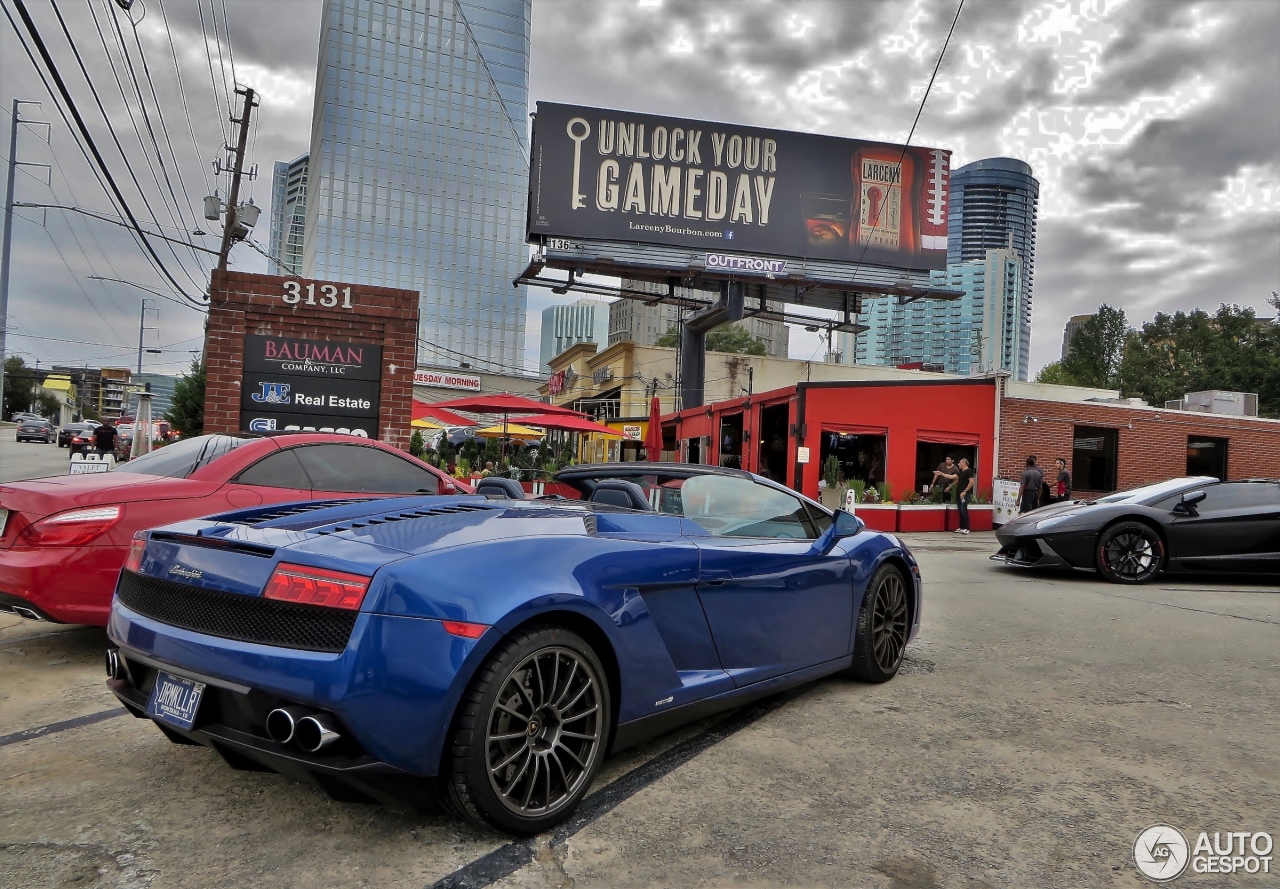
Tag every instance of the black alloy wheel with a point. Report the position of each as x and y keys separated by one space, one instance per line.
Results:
x=1130 y=552
x=530 y=733
x=883 y=624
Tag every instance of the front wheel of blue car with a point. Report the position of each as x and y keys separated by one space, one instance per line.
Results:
x=884 y=620
x=530 y=733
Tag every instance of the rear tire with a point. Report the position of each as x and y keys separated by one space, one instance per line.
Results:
x=880 y=637
x=530 y=732
x=1130 y=553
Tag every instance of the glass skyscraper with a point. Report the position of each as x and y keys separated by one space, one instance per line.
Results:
x=419 y=165
x=993 y=205
x=991 y=250
x=288 y=215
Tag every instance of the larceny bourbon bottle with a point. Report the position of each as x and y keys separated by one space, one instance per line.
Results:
x=883 y=215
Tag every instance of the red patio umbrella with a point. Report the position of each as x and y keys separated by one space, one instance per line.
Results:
x=503 y=403
x=425 y=410
x=653 y=439
x=568 y=424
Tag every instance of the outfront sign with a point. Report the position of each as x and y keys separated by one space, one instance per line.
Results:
x=294 y=384
x=616 y=175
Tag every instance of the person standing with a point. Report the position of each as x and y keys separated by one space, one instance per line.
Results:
x=945 y=475
x=966 y=484
x=1063 y=492
x=1029 y=492
x=104 y=439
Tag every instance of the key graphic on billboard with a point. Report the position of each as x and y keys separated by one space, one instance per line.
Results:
x=272 y=393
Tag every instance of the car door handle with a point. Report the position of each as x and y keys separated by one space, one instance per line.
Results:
x=712 y=583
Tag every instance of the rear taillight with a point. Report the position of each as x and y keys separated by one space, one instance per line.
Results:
x=316 y=586
x=136 y=549
x=71 y=528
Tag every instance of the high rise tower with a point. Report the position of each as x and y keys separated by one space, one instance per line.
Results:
x=993 y=206
x=419 y=165
x=288 y=215
x=991 y=249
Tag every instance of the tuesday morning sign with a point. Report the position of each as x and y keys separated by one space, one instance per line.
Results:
x=298 y=384
x=620 y=176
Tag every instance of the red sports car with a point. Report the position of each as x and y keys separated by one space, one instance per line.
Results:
x=64 y=539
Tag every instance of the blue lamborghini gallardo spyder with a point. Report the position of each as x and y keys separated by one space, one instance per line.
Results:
x=489 y=650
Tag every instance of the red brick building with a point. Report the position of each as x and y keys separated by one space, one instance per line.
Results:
x=312 y=321
x=1115 y=446
x=896 y=432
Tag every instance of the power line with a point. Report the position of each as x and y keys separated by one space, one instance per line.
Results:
x=89 y=142
x=213 y=78
x=182 y=95
x=171 y=203
x=164 y=127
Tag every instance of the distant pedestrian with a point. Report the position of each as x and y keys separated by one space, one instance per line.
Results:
x=965 y=485
x=1063 y=492
x=488 y=470
x=1029 y=492
x=104 y=439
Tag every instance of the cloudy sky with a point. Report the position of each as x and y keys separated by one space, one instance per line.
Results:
x=1152 y=125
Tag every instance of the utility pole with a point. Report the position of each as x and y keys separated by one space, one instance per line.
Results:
x=142 y=328
x=8 y=238
x=236 y=171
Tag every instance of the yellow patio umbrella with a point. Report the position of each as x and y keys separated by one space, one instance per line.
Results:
x=511 y=430
x=426 y=424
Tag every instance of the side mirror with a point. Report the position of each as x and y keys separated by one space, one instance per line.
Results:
x=846 y=525
x=1189 y=500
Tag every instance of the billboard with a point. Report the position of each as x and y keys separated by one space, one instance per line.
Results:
x=292 y=384
x=621 y=176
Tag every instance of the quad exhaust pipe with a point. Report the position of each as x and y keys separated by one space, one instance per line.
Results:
x=311 y=731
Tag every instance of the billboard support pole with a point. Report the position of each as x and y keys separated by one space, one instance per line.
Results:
x=693 y=340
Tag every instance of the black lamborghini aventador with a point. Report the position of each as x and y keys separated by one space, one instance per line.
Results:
x=1183 y=525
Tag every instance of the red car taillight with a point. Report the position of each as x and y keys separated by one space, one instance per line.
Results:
x=316 y=586
x=71 y=528
x=136 y=549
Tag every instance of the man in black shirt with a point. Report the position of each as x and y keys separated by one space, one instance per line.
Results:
x=966 y=486
x=104 y=439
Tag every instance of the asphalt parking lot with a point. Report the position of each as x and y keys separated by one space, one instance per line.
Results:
x=1039 y=724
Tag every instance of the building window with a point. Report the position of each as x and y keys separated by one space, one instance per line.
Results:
x=1207 y=456
x=1094 y=458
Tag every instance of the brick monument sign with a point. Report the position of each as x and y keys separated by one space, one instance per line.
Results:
x=288 y=354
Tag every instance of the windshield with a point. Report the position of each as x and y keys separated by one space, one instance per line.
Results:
x=1152 y=491
x=182 y=458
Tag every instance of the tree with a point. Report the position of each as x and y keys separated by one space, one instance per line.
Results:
x=1097 y=349
x=186 y=413
x=732 y=338
x=415 y=444
x=47 y=405
x=1195 y=351
x=19 y=381
x=1055 y=373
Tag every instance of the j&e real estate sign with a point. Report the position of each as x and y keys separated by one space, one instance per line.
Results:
x=620 y=176
x=302 y=384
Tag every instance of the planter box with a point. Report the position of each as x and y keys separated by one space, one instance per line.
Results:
x=980 y=517
x=922 y=518
x=831 y=498
x=878 y=516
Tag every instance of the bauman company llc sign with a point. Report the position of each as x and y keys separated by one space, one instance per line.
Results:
x=446 y=380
